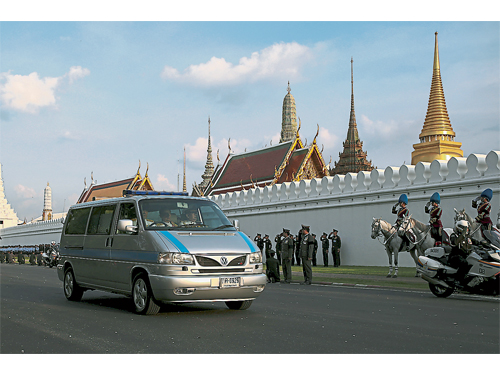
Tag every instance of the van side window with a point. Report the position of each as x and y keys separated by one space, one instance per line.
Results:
x=101 y=219
x=127 y=211
x=77 y=221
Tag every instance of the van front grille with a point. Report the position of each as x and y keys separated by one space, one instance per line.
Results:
x=222 y=270
x=238 y=261
x=209 y=262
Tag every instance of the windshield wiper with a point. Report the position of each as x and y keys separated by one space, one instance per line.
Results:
x=223 y=226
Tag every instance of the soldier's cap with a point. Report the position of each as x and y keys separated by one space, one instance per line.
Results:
x=286 y=230
x=313 y=235
x=324 y=234
x=334 y=230
x=258 y=234
x=272 y=252
x=306 y=227
x=266 y=235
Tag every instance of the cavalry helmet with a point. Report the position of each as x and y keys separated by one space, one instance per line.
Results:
x=403 y=198
x=461 y=226
x=436 y=198
x=488 y=193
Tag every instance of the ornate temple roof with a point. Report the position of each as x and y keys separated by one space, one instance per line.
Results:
x=115 y=189
x=437 y=138
x=353 y=158
x=285 y=162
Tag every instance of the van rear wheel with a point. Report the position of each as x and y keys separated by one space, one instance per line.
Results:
x=142 y=296
x=239 y=305
x=72 y=290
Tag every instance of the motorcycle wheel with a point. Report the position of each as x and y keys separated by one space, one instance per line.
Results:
x=72 y=290
x=441 y=291
x=142 y=296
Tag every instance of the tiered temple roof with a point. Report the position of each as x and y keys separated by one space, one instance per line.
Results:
x=437 y=139
x=353 y=158
x=8 y=217
x=115 y=189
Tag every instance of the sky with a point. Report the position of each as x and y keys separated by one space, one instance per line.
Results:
x=80 y=97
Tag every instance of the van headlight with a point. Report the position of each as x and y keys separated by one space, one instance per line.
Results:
x=175 y=258
x=256 y=257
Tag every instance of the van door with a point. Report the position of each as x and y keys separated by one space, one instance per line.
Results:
x=125 y=249
x=73 y=239
x=98 y=244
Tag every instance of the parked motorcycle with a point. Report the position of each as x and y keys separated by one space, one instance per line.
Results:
x=51 y=257
x=483 y=276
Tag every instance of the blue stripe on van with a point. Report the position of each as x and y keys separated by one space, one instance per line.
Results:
x=250 y=244
x=175 y=241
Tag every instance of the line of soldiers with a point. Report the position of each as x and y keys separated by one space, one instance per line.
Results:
x=35 y=258
x=303 y=248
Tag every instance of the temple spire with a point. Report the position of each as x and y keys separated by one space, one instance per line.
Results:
x=184 y=187
x=353 y=158
x=288 y=117
x=209 y=166
x=437 y=138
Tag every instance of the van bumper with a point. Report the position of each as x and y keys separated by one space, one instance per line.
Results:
x=205 y=288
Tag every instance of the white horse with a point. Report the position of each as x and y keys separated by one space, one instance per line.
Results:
x=422 y=234
x=392 y=243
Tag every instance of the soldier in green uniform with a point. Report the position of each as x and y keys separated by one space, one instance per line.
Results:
x=306 y=253
x=336 y=243
x=32 y=258
x=315 y=251
x=2 y=257
x=20 y=257
x=286 y=256
x=297 y=247
x=272 y=268
x=325 y=244
x=278 y=239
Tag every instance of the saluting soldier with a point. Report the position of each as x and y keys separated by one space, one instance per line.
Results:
x=258 y=241
x=401 y=213
x=315 y=251
x=272 y=268
x=435 y=213
x=286 y=256
x=267 y=245
x=20 y=257
x=306 y=253
x=325 y=244
x=39 y=258
x=484 y=209
x=297 y=247
x=336 y=244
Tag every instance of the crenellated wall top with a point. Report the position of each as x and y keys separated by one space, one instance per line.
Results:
x=472 y=168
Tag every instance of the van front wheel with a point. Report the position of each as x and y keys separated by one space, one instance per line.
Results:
x=72 y=290
x=142 y=296
x=239 y=305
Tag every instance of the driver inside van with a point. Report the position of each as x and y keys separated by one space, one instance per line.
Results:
x=168 y=218
x=190 y=217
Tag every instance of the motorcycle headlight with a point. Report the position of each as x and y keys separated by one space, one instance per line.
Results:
x=256 y=257
x=175 y=258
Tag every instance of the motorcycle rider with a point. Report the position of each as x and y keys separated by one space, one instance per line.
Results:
x=402 y=213
x=484 y=209
x=435 y=218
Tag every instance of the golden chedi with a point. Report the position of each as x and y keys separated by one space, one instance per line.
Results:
x=437 y=139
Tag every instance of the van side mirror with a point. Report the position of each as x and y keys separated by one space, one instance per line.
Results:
x=236 y=224
x=127 y=226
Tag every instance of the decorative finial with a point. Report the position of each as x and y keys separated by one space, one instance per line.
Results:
x=85 y=182
x=300 y=124
x=229 y=144
x=288 y=88
x=271 y=143
x=218 y=160
x=147 y=168
x=92 y=177
x=316 y=136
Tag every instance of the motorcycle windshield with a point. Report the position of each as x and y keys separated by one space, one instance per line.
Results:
x=493 y=236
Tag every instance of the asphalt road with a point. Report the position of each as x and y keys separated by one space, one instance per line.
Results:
x=37 y=318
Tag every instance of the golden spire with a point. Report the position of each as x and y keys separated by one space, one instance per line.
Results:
x=437 y=138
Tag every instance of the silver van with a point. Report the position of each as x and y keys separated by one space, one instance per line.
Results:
x=158 y=247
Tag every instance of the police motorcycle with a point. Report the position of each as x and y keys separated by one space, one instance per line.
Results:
x=483 y=275
x=51 y=257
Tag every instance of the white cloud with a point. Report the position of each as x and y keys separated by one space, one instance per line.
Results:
x=281 y=60
x=25 y=192
x=77 y=72
x=29 y=93
x=162 y=183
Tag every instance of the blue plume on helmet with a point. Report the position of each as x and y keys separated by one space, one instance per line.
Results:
x=436 y=198
x=403 y=199
x=488 y=193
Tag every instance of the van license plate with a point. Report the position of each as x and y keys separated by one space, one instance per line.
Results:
x=229 y=282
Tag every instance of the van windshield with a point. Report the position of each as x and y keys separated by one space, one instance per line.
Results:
x=183 y=214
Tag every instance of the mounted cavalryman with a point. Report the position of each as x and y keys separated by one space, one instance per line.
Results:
x=402 y=213
x=435 y=213
x=483 y=209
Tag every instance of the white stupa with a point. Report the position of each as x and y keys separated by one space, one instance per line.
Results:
x=8 y=217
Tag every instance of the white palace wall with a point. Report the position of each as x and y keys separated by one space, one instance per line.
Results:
x=349 y=202
x=344 y=202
